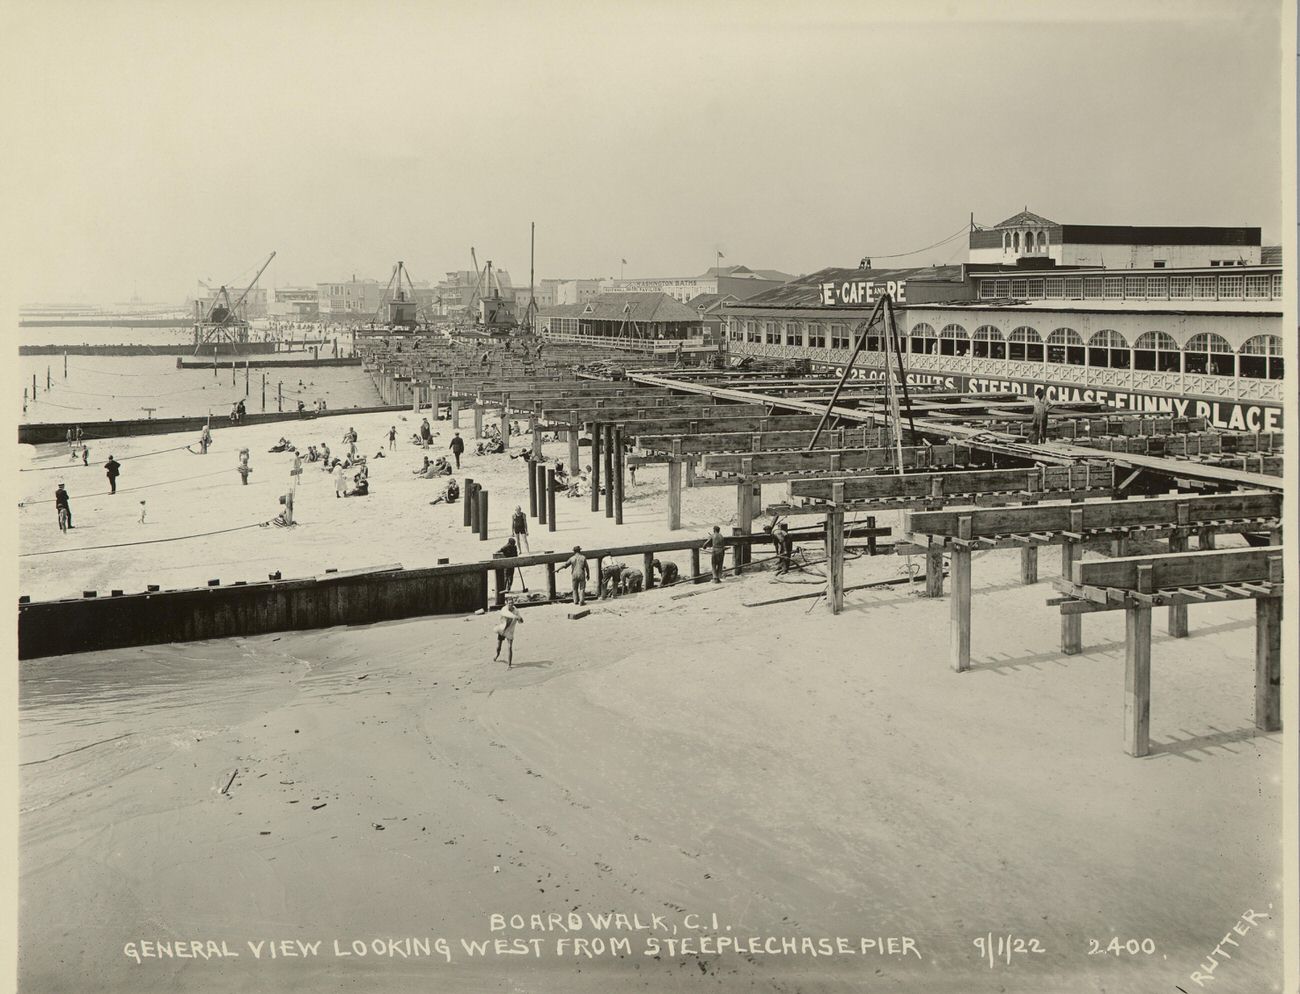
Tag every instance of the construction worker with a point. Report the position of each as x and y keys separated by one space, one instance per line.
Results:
x=578 y=564
x=718 y=547
x=1038 y=426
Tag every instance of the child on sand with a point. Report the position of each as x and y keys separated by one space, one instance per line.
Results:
x=505 y=630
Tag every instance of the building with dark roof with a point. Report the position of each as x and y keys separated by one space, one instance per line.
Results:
x=1030 y=237
x=637 y=317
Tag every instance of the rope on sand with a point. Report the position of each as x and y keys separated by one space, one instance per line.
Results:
x=73 y=465
x=130 y=490
x=146 y=541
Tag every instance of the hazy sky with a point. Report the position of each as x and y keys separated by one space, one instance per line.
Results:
x=153 y=144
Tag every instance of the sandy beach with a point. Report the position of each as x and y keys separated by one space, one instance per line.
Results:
x=669 y=758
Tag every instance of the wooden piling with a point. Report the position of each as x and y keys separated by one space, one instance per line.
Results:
x=455 y=412
x=468 y=502
x=478 y=420
x=835 y=559
x=595 y=467
x=482 y=515
x=574 y=455
x=618 y=474
x=1029 y=564
x=648 y=568
x=279 y=396
x=1071 y=624
x=537 y=436
x=934 y=569
x=1178 y=612
x=1137 y=679
x=959 y=605
x=532 y=491
x=550 y=500
x=695 y=565
x=538 y=472
x=607 y=443
x=1268 y=664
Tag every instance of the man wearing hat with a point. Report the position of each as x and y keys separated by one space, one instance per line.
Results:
x=578 y=563
x=112 y=469
x=61 y=505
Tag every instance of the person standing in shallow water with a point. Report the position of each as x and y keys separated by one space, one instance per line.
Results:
x=505 y=630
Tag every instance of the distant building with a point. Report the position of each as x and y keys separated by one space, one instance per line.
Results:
x=738 y=281
x=1029 y=237
x=457 y=291
x=709 y=307
x=351 y=299
x=576 y=291
x=296 y=303
x=637 y=316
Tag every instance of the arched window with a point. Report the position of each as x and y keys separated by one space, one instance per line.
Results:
x=1006 y=241
x=989 y=343
x=922 y=339
x=1064 y=346
x=954 y=340
x=1109 y=350
x=1261 y=358
x=1210 y=354
x=1015 y=241
x=1026 y=345
x=1158 y=351
x=1042 y=241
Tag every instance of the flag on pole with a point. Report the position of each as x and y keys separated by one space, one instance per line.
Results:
x=721 y=255
x=623 y=261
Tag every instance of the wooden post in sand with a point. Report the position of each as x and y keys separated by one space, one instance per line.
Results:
x=505 y=421
x=1137 y=679
x=675 y=487
x=532 y=492
x=550 y=500
x=539 y=481
x=607 y=443
x=478 y=420
x=934 y=569
x=1029 y=564
x=835 y=551
x=468 y=502
x=537 y=436
x=482 y=515
x=1178 y=612
x=455 y=412
x=595 y=467
x=574 y=454
x=1268 y=663
x=959 y=605
x=245 y=377
x=618 y=475
x=1071 y=624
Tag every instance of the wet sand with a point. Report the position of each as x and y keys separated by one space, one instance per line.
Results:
x=795 y=774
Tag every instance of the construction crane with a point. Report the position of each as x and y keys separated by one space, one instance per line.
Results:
x=221 y=322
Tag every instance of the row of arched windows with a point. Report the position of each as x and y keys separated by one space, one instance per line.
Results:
x=1259 y=357
x=1207 y=353
x=1011 y=241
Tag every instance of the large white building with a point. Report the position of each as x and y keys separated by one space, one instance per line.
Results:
x=738 y=281
x=1187 y=320
x=1028 y=236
